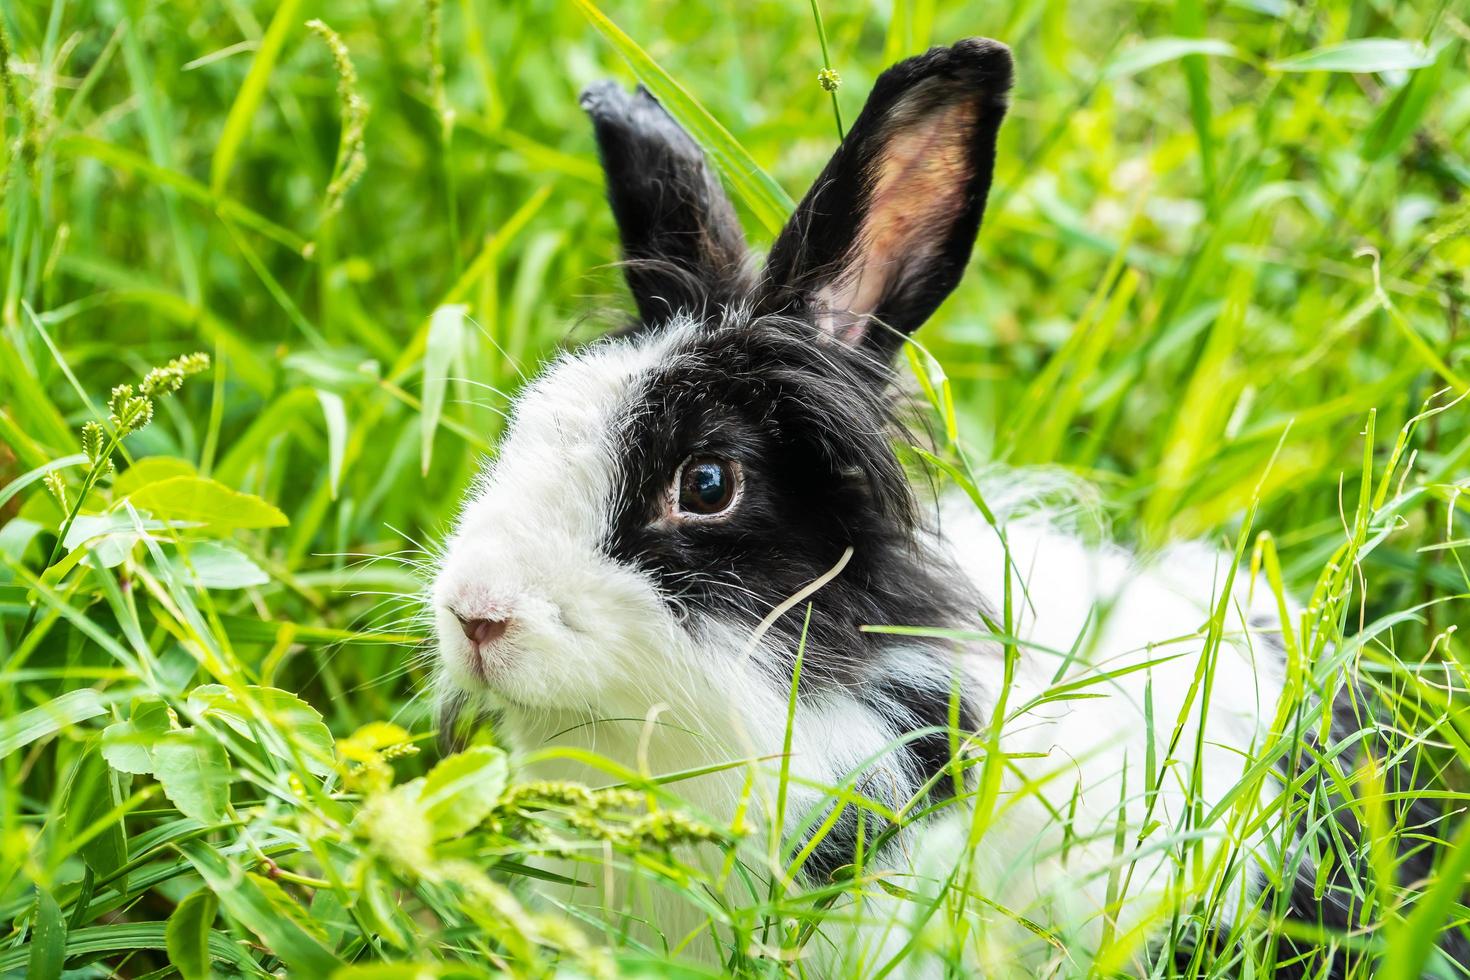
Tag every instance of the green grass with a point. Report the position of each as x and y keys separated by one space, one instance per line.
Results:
x=1222 y=276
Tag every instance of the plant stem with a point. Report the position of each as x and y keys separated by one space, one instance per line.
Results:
x=827 y=67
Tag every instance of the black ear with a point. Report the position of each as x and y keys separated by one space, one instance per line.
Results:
x=682 y=244
x=884 y=234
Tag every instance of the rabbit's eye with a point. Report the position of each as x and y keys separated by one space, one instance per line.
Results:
x=706 y=486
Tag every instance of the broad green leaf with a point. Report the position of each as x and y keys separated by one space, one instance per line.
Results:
x=216 y=565
x=193 y=498
x=1368 y=54
x=108 y=536
x=462 y=790
x=364 y=744
x=760 y=193
x=48 y=938
x=195 y=774
x=150 y=469
x=49 y=718
x=187 y=934
x=261 y=906
x=1161 y=50
x=271 y=710
x=128 y=745
x=446 y=338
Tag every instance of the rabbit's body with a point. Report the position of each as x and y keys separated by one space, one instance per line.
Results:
x=681 y=514
x=1099 y=605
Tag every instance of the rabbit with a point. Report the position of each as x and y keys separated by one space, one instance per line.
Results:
x=685 y=513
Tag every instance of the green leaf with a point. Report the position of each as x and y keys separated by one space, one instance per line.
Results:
x=35 y=476
x=271 y=710
x=1161 y=50
x=128 y=745
x=195 y=773
x=49 y=718
x=108 y=536
x=753 y=186
x=340 y=371
x=124 y=937
x=426 y=971
x=1368 y=54
x=261 y=906
x=335 y=414
x=187 y=934
x=203 y=501
x=1401 y=115
x=378 y=907
x=462 y=790
x=92 y=795
x=48 y=938
x=216 y=565
x=150 y=469
x=334 y=918
x=16 y=538
x=446 y=337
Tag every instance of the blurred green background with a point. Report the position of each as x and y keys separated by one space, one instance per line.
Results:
x=175 y=196
x=1221 y=235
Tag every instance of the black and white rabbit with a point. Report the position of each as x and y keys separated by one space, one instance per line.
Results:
x=632 y=574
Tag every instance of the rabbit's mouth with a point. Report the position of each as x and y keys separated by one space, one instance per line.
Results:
x=483 y=661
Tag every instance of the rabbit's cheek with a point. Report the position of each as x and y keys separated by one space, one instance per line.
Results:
x=528 y=603
x=543 y=619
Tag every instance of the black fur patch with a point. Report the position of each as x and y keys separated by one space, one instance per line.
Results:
x=683 y=249
x=1334 y=903
x=813 y=434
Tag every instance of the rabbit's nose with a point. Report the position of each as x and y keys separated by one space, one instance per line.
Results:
x=482 y=631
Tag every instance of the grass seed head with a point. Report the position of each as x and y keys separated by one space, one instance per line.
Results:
x=351 y=160
x=27 y=144
x=56 y=484
x=170 y=378
x=128 y=412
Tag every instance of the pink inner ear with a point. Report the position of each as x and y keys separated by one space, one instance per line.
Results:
x=918 y=186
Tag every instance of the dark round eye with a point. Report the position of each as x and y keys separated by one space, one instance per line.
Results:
x=707 y=485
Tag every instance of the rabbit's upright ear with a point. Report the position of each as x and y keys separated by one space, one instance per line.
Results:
x=682 y=244
x=884 y=234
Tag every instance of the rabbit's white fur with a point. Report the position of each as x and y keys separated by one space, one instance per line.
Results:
x=528 y=541
x=596 y=661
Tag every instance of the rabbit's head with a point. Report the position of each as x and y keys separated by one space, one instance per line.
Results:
x=660 y=494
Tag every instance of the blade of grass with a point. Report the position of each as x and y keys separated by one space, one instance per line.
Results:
x=252 y=90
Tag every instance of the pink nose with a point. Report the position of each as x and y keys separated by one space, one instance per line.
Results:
x=482 y=631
